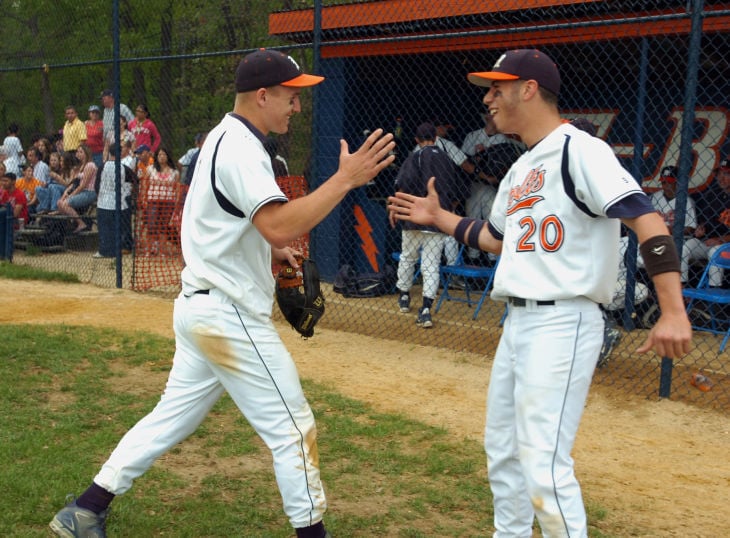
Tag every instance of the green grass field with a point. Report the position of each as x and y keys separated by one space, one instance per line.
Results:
x=69 y=393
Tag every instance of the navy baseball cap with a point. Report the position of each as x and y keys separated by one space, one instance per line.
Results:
x=521 y=64
x=141 y=148
x=725 y=164
x=265 y=68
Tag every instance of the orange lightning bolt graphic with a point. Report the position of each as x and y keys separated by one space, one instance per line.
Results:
x=364 y=230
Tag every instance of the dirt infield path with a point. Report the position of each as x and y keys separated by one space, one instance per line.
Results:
x=659 y=468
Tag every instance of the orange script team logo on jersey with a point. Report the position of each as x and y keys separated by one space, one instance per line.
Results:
x=523 y=196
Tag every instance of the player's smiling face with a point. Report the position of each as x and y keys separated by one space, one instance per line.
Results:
x=282 y=103
x=502 y=100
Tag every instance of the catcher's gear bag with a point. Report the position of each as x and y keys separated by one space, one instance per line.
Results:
x=299 y=296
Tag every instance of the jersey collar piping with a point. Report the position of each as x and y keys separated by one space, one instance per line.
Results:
x=250 y=126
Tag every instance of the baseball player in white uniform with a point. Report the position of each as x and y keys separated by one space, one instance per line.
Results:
x=235 y=222
x=555 y=223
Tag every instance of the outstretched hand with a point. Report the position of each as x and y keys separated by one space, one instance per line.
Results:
x=375 y=154
x=404 y=206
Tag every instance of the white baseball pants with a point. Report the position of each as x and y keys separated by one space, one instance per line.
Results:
x=219 y=346
x=428 y=246
x=538 y=387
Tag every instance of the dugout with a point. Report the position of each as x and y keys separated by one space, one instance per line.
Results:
x=624 y=66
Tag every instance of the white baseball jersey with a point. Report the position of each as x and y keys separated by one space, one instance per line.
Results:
x=216 y=244
x=557 y=241
x=225 y=339
x=481 y=138
x=665 y=208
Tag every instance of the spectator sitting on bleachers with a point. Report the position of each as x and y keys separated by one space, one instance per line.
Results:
x=28 y=183
x=43 y=145
x=41 y=170
x=49 y=194
x=80 y=194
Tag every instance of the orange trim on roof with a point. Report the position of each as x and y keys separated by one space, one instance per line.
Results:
x=393 y=11
x=528 y=37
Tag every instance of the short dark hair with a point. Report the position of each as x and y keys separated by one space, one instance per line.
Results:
x=548 y=96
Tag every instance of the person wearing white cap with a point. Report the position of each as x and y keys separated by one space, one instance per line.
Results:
x=554 y=222
x=236 y=222
x=95 y=135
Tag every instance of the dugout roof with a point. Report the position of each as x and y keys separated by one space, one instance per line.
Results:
x=363 y=29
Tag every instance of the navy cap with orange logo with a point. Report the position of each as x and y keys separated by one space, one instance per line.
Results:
x=265 y=68
x=521 y=64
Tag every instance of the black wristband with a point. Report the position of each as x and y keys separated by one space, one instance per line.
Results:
x=660 y=255
x=477 y=171
x=460 y=230
x=473 y=239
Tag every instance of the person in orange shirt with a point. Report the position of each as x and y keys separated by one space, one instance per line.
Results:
x=28 y=184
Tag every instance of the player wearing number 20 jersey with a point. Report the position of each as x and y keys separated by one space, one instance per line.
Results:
x=546 y=207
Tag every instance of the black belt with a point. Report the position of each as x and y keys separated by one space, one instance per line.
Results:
x=201 y=292
x=519 y=301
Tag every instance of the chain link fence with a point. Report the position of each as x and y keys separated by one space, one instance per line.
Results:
x=651 y=78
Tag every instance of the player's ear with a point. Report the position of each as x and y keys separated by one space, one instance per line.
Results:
x=529 y=89
x=262 y=95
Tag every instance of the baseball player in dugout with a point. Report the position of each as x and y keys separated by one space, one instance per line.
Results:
x=423 y=242
x=555 y=223
x=236 y=222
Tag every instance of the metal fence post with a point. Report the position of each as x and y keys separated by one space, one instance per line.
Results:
x=685 y=159
x=7 y=220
